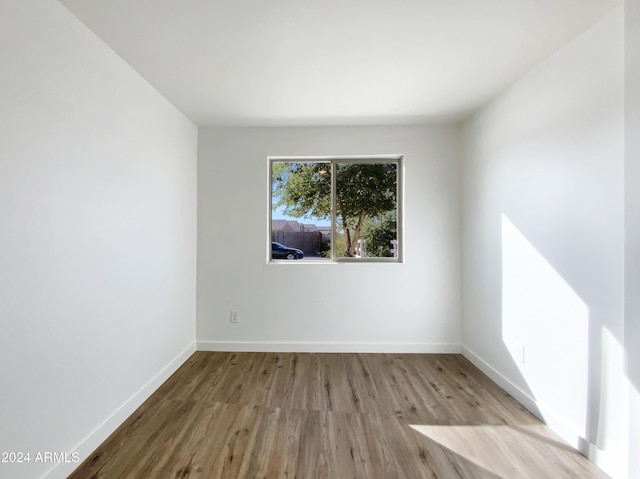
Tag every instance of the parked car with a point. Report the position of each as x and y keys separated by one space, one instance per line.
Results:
x=280 y=251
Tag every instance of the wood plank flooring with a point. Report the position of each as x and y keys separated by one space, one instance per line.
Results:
x=294 y=415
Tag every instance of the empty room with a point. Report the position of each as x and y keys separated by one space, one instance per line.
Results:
x=319 y=239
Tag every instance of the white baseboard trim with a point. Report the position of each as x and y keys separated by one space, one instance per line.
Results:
x=104 y=430
x=521 y=396
x=330 y=347
x=543 y=412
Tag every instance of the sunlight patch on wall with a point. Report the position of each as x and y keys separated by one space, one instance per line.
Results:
x=633 y=462
x=610 y=450
x=545 y=326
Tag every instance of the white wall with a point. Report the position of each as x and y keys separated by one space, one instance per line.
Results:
x=97 y=237
x=632 y=258
x=328 y=307
x=543 y=242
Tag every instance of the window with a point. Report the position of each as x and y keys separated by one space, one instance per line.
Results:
x=342 y=209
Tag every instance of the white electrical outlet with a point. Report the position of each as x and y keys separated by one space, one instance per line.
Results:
x=234 y=317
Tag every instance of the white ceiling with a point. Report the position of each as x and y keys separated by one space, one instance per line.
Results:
x=334 y=62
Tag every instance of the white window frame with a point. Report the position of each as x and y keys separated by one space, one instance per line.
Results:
x=334 y=161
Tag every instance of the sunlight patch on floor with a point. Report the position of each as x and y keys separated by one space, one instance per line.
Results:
x=531 y=451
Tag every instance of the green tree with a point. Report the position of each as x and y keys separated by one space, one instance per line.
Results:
x=363 y=190
x=303 y=189
x=377 y=234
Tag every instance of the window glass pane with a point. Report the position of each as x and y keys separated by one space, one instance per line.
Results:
x=366 y=209
x=300 y=210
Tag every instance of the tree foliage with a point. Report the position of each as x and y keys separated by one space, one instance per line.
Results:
x=377 y=234
x=302 y=189
x=363 y=190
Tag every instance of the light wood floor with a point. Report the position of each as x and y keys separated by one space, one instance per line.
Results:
x=290 y=415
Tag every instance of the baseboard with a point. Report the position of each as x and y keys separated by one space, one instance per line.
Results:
x=329 y=347
x=519 y=395
x=541 y=410
x=104 y=430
